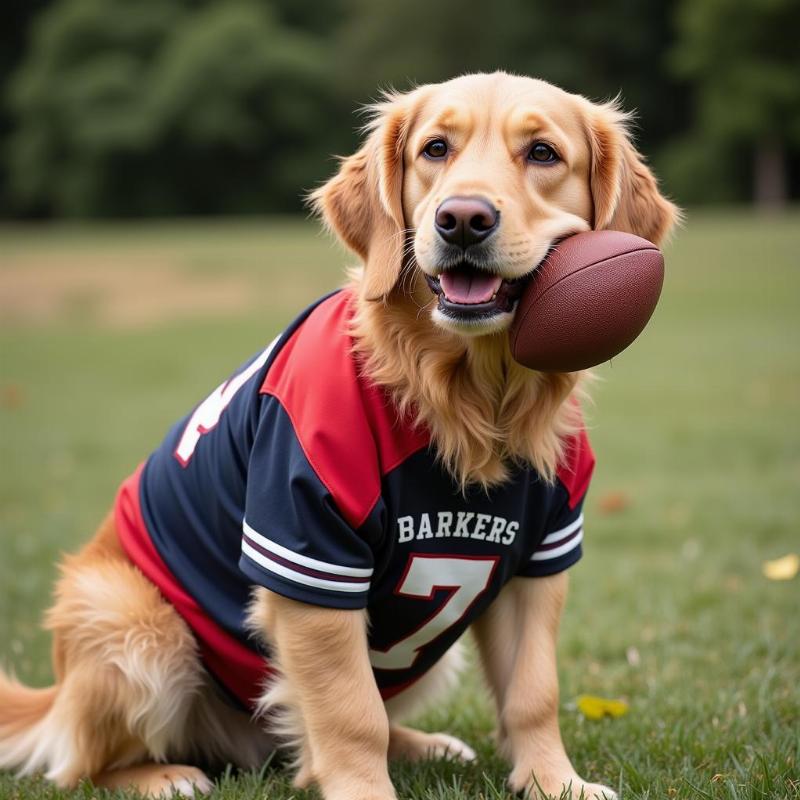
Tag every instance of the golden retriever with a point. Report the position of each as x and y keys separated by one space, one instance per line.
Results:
x=457 y=194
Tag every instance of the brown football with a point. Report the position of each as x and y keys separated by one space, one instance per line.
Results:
x=588 y=300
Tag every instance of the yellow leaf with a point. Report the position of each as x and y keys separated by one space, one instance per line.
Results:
x=593 y=707
x=782 y=569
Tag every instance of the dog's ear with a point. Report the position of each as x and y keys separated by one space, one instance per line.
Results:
x=625 y=192
x=363 y=203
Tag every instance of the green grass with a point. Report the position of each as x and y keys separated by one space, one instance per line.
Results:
x=696 y=425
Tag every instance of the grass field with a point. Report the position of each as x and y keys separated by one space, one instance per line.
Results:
x=107 y=334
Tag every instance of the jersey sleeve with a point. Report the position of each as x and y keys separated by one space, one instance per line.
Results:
x=295 y=539
x=313 y=507
x=561 y=545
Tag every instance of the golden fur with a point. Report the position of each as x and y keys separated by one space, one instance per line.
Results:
x=131 y=699
x=483 y=409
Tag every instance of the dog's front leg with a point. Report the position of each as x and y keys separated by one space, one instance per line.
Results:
x=517 y=642
x=323 y=657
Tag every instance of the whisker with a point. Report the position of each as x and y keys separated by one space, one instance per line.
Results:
x=422 y=308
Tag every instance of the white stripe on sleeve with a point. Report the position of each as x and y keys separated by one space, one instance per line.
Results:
x=304 y=561
x=557 y=536
x=299 y=577
x=545 y=555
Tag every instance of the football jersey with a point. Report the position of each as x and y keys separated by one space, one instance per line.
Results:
x=297 y=474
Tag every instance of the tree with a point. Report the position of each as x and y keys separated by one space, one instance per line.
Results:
x=598 y=50
x=744 y=60
x=162 y=106
x=196 y=106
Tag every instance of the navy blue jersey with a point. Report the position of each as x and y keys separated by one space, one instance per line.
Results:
x=297 y=474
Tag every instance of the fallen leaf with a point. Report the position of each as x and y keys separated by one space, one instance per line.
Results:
x=782 y=569
x=11 y=395
x=593 y=707
x=613 y=502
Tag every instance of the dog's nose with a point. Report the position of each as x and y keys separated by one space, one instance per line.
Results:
x=466 y=220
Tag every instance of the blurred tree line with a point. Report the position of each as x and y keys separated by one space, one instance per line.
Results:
x=114 y=108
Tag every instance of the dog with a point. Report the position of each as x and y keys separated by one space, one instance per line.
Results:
x=295 y=565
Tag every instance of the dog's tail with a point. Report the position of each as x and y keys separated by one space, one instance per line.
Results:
x=23 y=715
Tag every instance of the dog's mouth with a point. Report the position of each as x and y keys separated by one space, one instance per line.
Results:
x=467 y=292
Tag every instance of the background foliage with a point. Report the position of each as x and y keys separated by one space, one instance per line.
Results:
x=112 y=108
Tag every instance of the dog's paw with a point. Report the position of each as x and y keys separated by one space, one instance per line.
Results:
x=411 y=745
x=157 y=780
x=443 y=745
x=180 y=781
x=558 y=788
x=594 y=790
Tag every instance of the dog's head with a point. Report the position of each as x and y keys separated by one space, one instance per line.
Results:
x=469 y=184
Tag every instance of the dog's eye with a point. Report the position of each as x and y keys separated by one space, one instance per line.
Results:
x=437 y=148
x=542 y=153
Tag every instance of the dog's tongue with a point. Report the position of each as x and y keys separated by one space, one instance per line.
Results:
x=469 y=286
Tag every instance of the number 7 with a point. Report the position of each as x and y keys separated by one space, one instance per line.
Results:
x=467 y=577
